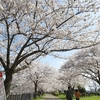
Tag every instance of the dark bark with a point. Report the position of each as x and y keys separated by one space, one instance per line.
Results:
x=7 y=82
x=35 y=90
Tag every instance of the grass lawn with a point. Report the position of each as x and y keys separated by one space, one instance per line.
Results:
x=90 y=98
x=63 y=97
x=39 y=98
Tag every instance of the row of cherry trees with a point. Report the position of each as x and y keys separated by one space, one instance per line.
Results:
x=39 y=77
x=86 y=63
x=33 y=28
x=77 y=70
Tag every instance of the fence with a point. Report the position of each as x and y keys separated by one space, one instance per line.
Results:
x=27 y=96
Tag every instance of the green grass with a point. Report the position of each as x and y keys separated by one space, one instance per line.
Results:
x=90 y=98
x=63 y=97
x=39 y=98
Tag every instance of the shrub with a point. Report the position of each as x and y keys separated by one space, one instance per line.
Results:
x=56 y=93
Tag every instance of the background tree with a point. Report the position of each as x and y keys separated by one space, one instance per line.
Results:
x=94 y=87
x=37 y=77
x=33 y=28
x=81 y=89
x=70 y=75
x=88 y=62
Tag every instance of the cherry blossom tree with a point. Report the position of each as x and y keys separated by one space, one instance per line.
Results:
x=33 y=28
x=88 y=61
x=84 y=62
x=38 y=74
x=94 y=87
x=37 y=77
x=70 y=75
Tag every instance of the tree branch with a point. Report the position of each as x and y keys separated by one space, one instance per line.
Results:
x=3 y=63
x=74 y=48
x=68 y=19
x=35 y=8
x=8 y=46
x=18 y=56
x=20 y=69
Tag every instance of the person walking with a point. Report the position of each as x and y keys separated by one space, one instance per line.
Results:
x=77 y=94
x=69 y=94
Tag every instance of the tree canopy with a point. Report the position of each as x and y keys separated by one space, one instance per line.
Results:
x=86 y=63
x=33 y=28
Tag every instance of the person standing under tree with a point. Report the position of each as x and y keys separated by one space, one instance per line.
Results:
x=77 y=94
x=69 y=94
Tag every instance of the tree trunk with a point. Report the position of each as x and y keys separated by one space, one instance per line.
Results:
x=35 y=92
x=7 y=83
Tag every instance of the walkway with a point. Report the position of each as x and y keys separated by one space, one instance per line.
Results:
x=50 y=97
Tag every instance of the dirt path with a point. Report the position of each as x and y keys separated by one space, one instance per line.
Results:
x=50 y=97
